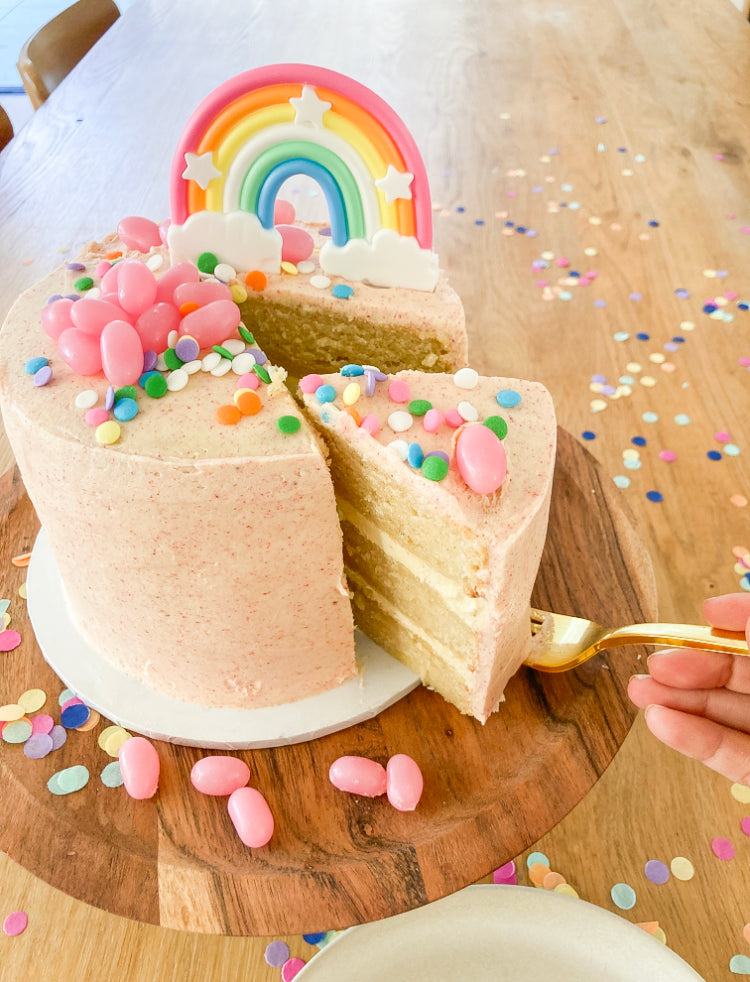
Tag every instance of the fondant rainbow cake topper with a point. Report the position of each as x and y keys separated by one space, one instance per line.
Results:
x=269 y=124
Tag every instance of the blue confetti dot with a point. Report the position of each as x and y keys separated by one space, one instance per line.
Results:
x=74 y=716
x=654 y=496
x=588 y=435
x=639 y=441
x=714 y=455
x=653 y=223
x=314 y=938
x=342 y=291
x=642 y=336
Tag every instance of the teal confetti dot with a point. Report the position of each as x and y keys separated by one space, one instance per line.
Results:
x=739 y=964
x=632 y=463
x=342 y=291
x=69 y=780
x=621 y=481
x=682 y=419
x=564 y=295
x=731 y=450
x=112 y=775
x=650 y=417
x=621 y=336
x=623 y=896
x=627 y=380
x=536 y=857
x=17 y=731
x=745 y=582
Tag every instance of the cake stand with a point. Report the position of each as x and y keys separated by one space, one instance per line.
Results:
x=337 y=859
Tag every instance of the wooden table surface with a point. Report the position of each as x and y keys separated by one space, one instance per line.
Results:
x=597 y=146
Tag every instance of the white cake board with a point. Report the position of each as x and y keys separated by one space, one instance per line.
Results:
x=381 y=681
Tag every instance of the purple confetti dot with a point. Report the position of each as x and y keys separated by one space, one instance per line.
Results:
x=601 y=379
x=656 y=871
x=636 y=296
x=682 y=293
x=76 y=267
x=438 y=453
x=600 y=303
x=37 y=746
x=671 y=346
x=59 y=736
x=276 y=953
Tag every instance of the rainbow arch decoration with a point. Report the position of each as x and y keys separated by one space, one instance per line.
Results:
x=268 y=124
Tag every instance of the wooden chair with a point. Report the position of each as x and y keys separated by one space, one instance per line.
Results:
x=50 y=53
x=6 y=128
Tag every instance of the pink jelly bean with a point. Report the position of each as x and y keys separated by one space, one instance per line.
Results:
x=404 y=782
x=172 y=278
x=480 y=458
x=155 y=324
x=251 y=817
x=359 y=775
x=201 y=293
x=109 y=280
x=219 y=775
x=136 y=286
x=454 y=418
x=139 y=766
x=103 y=267
x=92 y=313
x=399 y=391
x=164 y=230
x=138 y=233
x=283 y=212
x=124 y=315
x=296 y=243
x=80 y=351
x=309 y=383
x=122 y=353
x=55 y=317
x=213 y=323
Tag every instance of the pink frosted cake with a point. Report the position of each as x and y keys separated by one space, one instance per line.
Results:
x=186 y=497
x=443 y=485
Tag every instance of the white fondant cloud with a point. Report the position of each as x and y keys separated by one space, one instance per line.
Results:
x=237 y=238
x=389 y=260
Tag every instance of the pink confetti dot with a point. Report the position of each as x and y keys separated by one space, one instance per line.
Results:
x=722 y=848
x=9 y=640
x=668 y=455
x=16 y=923
x=291 y=968
x=723 y=437
x=505 y=874
x=745 y=825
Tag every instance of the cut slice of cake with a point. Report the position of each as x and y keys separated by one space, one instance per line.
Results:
x=443 y=486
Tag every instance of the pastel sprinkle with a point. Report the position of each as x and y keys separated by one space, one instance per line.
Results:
x=16 y=923
x=508 y=398
x=17 y=731
x=739 y=964
x=38 y=746
x=32 y=700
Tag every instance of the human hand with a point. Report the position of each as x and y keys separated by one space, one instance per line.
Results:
x=698 y=702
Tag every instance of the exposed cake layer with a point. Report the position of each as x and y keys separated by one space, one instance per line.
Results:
x=442 y=575
x=309 y=329
x=203 y=558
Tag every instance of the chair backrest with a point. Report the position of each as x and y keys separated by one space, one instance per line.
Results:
x=6 y=128
x=50 y=53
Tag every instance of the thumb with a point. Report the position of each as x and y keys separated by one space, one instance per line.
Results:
x=729 y=612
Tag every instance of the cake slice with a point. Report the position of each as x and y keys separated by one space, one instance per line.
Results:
x=443 y=486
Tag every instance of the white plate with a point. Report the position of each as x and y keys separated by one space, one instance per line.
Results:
x=381 y=681
x=490 y=933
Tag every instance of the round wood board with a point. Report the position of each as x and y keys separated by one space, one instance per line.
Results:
x=336 y=859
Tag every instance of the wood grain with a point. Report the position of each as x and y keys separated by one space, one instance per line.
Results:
x=337 y=859
x=503 y=99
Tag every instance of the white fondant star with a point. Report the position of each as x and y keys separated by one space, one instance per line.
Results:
x=200 y=168
x=309 y=107
x=395 y=184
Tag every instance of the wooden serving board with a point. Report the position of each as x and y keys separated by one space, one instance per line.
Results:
x=336 y=859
